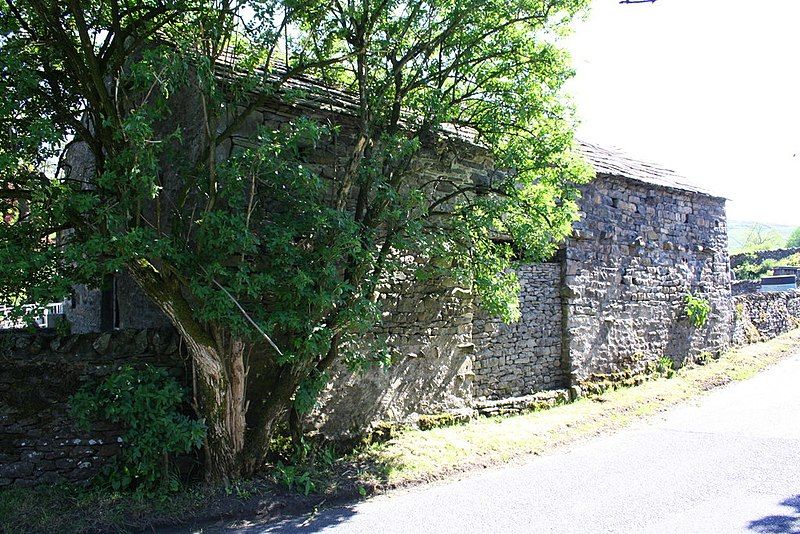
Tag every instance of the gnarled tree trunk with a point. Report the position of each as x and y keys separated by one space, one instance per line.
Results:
x=225 y=367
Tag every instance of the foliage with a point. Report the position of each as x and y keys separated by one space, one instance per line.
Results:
x=761 y=237
x=295 y=478
x=794 y=239
x=790 y=261
x=750 y=271
x=270 y=258
x=665 y=366
x=303 y=466
x=697 y=310
x=145 y=403
x=738 y=231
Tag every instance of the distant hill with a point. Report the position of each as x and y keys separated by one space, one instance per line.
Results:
x=738 y=231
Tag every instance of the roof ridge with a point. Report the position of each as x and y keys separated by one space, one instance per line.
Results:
x=616 y=162
x=605 y=160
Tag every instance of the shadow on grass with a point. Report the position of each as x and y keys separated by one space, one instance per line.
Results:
x=257 y=505
x=349 y=481
x=780 y=524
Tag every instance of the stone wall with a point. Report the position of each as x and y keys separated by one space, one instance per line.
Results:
x=428 y=327
x=740 y=287
x=763 y=316
x=635 y=253
x=38 y=442
x=428 y=332
x=522 y=358
x=759 y=257
x=134 y=311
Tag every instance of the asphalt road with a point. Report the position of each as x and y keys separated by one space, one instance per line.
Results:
x=728 y=463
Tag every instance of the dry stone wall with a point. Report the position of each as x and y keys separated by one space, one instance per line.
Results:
x=38 y=441
x=514 y=360
x=761 y=256
x=428 y=332
x=763 y=316
x=635 y=253
x=740 y=287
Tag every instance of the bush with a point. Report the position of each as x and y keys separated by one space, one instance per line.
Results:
x=792 y=260
x=697 y=310
x=665 y=366
x=145 y=403
x=751 y=271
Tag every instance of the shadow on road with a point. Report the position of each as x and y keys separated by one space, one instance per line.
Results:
x=314 y=522
x=780 y=524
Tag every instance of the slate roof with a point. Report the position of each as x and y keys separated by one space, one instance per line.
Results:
x=607 y=161
x=614 y=162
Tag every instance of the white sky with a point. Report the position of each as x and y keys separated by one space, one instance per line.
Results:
x=709 y=88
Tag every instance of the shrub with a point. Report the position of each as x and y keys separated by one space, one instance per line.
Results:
x=792 y=260
x=751 y=271
x=665 y=366
x=697 y=310
x=145 y=403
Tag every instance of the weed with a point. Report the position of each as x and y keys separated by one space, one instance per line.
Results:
x=295 y=477
x=697 y=310
x=665 y=366
x=703 y=358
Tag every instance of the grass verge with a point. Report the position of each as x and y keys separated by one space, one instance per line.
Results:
x=410 y=457
x=415 y=455
x=66 y=508
x=71 y=509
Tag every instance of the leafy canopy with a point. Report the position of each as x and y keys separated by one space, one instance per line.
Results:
x=108 y=75
x=134 y=140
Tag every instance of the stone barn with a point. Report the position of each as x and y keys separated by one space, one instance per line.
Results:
x=614 y=297
x=611 y=300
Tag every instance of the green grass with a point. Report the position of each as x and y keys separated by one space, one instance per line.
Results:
x=417 y=455
x=67 y=508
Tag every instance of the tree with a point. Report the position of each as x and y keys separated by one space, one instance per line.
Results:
x=761 y=237
x=794 y=239
x=267 y=264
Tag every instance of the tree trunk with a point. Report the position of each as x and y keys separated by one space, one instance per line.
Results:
x=239 y=426
x=220 y=380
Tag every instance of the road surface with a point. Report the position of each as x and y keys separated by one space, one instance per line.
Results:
x=727 y=463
